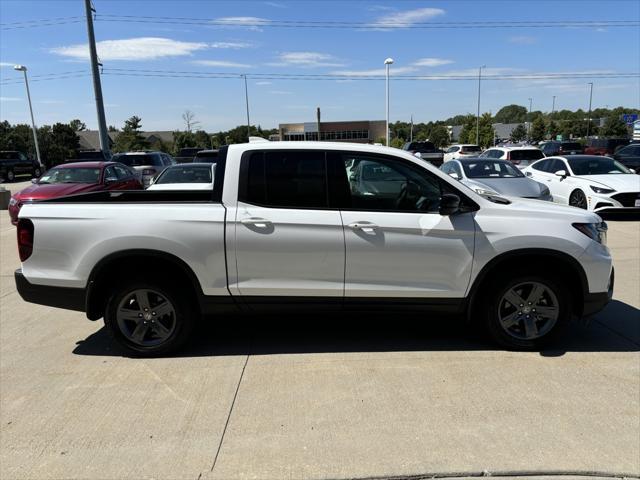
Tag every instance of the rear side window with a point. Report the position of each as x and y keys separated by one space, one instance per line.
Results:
x=295 y=179
x=517 y=155
x=542 y=165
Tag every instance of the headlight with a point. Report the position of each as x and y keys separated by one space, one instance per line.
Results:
x=484 y=191
x=13 y=202
x=601 y=190
x=595 y=231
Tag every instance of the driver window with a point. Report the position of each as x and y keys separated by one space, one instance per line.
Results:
x=109 y=173
x=377 y=183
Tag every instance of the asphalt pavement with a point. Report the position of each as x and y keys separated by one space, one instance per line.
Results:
x=312 y=397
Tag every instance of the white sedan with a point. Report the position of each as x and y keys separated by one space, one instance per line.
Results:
x=590 y=182
x=185 y=176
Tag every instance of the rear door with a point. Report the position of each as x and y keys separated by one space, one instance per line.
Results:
x=288 y=242
x=397 y=244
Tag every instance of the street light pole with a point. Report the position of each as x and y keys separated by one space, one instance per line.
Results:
x=246 y=99
x=387 y=62
x=589 y=115
x=553 y=105
x=23 y=69
x=529 y=122
x=478 y=115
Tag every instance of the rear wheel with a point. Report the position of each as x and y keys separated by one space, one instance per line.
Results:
x=37 y=172
x=11 y=176
x=148 y=318
x=527 y=312
x=577 y=199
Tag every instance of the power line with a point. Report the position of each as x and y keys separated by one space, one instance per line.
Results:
x=46 y=22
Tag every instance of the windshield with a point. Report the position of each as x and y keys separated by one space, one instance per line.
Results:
x=470 y=149
x=532 y=154
x=571 y=146
x=596 y=166
x=71 y=175
x=138 y=160
x=490 y=169
x=422 y=147
x=186 y=174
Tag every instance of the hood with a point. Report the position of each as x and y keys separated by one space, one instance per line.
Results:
x=544 y=209
x=54 y=190
x=512 y=187
x=620 y=182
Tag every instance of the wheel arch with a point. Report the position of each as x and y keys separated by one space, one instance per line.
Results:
x=155 y=262
x=563 y=266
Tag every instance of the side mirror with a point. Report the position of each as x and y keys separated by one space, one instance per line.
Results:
x=449 y=204
x=417 y=154
x=110 y=180
x=561 y=173
x=454 y=175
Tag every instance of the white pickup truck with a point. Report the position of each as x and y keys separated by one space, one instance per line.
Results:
x=297 y=225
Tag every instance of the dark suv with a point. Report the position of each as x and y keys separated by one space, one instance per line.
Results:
x=14 y=163
x=604 y=146
x=147 y=164
x=561 y=148
x=427 y=151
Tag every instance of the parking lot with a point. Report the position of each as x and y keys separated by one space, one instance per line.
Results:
x=313 y=397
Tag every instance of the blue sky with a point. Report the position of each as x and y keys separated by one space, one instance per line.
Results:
x=238 y=45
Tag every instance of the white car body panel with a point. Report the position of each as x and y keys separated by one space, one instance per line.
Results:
x=308 y=252
x=180 y=186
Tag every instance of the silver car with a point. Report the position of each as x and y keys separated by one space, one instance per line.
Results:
x=495 y=177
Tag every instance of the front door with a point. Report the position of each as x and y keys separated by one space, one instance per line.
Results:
x=288 y=243
x=397 y=244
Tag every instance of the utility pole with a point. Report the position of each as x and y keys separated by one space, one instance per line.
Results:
x=318 y=120
x=23 y=69
x=589 y=115
x=387 y=63
x=411 y=132
x=478 y=116
x=97 y=87
x=246 y=98
x=529 y=123
x=553 y=105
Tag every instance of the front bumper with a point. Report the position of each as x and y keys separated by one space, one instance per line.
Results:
x=595 y=302
x=59 y=297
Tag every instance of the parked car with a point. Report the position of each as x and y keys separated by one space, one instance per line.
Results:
x=189 y=176
x=604 y=146
x=426 y=151
x=14 y=163
x=72 y=179
x=461 y=151
x=206 y=156
x=519 y=156
x=147 y=164
x=284 y=226
x=554 y=147
x=89 y=156
x=187 y=155
x=595 y=183
x=629 y=156
x=495 y=177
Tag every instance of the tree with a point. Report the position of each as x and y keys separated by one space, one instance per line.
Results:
x=614 y=127
x=112 y=129
x=63 y=145
x=396 y=142
x=538 y=129
x=439 y=135
x=553 y=129
x=130 y=139
x=202 y=139
x=190 y=120
x=519 y=133
x=468 y=134
x=511 y=114
x=77 y=125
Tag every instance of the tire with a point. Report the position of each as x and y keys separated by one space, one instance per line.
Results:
x=10 y=176
x=520 y=325
x=147 y=333
x=578 y=199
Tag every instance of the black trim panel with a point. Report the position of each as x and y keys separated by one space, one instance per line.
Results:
x=59 y=297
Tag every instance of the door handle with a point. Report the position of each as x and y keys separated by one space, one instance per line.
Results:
x=256 y=221
x=364 y=226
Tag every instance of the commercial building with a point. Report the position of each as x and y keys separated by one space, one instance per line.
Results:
x=366 y=131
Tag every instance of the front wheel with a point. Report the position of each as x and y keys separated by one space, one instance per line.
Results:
x=148 y=319
x=527 y=312
x=577 y=199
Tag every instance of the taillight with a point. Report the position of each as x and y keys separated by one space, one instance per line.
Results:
x=25 y=238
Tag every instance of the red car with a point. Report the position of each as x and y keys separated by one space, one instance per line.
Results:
x=74 y=178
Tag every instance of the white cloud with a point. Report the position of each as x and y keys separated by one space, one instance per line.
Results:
x=407 y=18
x=275 y=4
x=280 y=92
x=10 y=99
x=52 y=102
x=220 y=63
x=306 y=59
x=6 y=64
x=431 y=62
x=523 y=40
x=232 y=45
x=264 y=83
x=253 y=23
x=377 y=71
x=143 y=48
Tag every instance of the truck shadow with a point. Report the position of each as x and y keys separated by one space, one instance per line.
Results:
x=615 y=329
